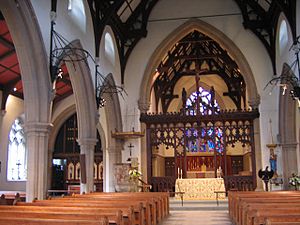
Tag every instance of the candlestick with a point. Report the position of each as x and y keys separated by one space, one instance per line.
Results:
x=181 y=173
x=178 y=173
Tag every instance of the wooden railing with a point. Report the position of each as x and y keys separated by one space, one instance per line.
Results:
x=163 y=184
x=240 y=183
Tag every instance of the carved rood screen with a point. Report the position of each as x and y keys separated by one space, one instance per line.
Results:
x=200 y=142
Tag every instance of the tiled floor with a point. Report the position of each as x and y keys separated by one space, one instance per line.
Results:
x=197 y=218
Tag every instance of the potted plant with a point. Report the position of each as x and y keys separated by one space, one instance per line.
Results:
x=294 y=181
x=134 y=176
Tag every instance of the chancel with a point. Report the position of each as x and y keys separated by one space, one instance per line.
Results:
x=103 y=101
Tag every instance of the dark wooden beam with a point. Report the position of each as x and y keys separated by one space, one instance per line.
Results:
x=7 y=54
x=6 y=43
x=9 y=68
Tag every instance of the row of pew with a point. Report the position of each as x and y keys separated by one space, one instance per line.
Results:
x=9 y=198
x=139 y=208
x=264 y=208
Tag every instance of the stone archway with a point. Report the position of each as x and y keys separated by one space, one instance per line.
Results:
x=216 y=35
x=25 y=32
x=87 y=116
x=57 y=122
x=113 y=146
x=225 y=43
x=287 y=133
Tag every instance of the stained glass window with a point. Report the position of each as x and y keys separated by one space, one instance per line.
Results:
x=206 y=103
x=17 y=162
x=203 y=139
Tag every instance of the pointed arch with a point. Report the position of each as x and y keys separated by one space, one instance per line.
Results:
x=114 y=146
x=84 y=96
x=287 y=132
x=215 y=34
x=20 y=18
x=25 y=31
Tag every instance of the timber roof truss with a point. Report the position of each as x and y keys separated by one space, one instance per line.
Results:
x=128 y=20
x=197 y=54
x=261 y=17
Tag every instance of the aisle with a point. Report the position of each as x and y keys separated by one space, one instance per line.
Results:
x=198 y=218
x=198 y=212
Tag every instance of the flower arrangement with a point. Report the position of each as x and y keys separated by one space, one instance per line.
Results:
x=294 y=181
x=134 y=174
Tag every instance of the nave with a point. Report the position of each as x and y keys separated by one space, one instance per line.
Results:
x=201 y=212
x=198 y=218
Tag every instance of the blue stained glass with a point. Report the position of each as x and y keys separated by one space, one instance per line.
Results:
x=209 y=140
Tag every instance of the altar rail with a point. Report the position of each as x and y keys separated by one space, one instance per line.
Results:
x=240 y=183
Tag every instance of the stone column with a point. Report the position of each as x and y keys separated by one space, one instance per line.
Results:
x=144 y=106
x=254 y=103
x=37 y=135
x=114 y=156
x=289 y=162
x=87 y=148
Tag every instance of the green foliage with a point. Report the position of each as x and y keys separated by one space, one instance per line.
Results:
x=294 y=181
x=134 y=174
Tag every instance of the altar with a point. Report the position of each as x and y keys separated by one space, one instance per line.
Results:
x=203 y=188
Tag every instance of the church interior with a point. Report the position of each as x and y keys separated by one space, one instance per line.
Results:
x=192 y=100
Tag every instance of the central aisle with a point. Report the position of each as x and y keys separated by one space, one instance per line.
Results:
x=198 y=218
x=198 y=213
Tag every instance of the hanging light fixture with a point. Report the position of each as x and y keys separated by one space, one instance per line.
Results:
x=290 y=76
x=61 y=50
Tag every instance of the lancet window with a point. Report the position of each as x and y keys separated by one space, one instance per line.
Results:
x=17 y=162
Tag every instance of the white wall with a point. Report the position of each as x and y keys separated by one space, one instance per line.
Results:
x=65 y=25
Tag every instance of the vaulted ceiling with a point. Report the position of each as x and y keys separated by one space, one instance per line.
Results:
x=128 y=20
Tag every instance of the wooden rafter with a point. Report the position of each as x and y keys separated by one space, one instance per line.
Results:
x=198 y=49
x=262 y=21
x=128 y=32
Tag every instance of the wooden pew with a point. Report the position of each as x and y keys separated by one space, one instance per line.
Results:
x=45 y=221
x=280 y=220
x=251 y=211
x=288 y=215
x=149 y=206
x=162 y=197
x=241 y=202
x=114 y=217
x=130 y=215
x=238 y=201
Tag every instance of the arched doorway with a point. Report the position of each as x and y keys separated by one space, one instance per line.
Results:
x=66 y=171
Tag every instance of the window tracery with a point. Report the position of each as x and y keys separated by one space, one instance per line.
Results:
x=17 y=162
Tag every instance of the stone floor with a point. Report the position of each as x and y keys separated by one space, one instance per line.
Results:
x=197 y=213
x=197 y=218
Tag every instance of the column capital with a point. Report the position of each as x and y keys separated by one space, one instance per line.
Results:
x=87 y=141
x=33 y=127
x=143 y=105
x=254 y=102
